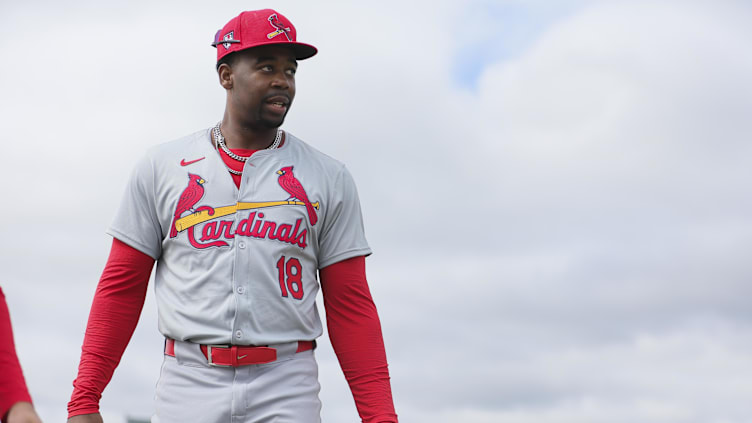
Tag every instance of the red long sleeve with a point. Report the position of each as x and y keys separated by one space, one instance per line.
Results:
x=12 y=383
x=114 y=314
x=355 y=333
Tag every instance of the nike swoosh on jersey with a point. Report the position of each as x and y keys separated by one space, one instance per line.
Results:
x=184 y=163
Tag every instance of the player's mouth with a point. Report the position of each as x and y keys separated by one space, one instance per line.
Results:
x=278 y=104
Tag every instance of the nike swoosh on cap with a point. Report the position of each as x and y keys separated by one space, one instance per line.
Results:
x=184 y=163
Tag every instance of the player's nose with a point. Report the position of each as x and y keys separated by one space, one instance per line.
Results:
x=281 y=81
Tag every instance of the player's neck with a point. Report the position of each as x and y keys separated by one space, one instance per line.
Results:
x=245 y=137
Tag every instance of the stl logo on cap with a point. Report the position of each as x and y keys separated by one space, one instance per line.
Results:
x=279 y=28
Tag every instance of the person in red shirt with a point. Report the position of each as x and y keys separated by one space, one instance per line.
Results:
x=15 y=401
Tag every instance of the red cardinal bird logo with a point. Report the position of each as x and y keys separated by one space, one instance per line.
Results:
x=289 y=183
x=191 y=195
x=279 y=27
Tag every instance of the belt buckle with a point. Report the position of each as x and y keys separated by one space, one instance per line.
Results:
x=209 y=355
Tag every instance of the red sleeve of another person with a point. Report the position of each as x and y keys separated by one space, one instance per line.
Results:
x=113 y=317
x=12 y=384
x=355 y=333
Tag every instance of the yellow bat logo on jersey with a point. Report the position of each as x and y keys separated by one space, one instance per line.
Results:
x=206 y=215
x=213 y=230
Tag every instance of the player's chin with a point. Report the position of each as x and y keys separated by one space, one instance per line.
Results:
x=273 y=122
x=272 y=117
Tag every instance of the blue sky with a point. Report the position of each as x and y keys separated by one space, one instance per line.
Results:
x=490 y=32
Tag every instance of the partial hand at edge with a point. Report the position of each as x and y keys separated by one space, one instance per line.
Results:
x=22 y=412
x=86 y=418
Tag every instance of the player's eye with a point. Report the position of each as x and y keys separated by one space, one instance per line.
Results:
x=291 y=71
x=266 y=68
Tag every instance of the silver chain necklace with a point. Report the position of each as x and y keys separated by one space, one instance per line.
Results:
x=220 y=141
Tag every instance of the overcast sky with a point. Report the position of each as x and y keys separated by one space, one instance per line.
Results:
x=557 y=195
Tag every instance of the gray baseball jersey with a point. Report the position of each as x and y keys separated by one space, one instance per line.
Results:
x=239 y=265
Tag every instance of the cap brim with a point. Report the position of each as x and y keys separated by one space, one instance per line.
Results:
x=303 y=51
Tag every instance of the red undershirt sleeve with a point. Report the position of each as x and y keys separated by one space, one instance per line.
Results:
x=12 y=383
x=355 y=333
x=114 y=314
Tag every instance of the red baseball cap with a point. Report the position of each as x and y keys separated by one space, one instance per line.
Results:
x=257 y=28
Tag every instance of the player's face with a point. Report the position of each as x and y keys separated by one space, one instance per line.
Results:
x=263 y=85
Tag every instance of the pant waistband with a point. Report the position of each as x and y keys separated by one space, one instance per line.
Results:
x=238 y=355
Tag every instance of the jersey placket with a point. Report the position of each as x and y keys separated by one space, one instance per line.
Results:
x=241 y=264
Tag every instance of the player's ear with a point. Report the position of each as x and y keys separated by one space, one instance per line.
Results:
x=225 y=76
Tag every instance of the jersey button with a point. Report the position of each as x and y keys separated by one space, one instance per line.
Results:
x=238 y=334
x=241 y=245
x=241 y=290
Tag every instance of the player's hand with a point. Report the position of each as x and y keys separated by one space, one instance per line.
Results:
x=22 y=412
x=86 y=418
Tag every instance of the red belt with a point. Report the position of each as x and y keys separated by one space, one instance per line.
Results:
x=238 y=355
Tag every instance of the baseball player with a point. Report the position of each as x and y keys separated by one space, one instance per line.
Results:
x=240 y=219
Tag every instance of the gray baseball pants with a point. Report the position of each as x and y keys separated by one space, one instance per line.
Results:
x=284 y=391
